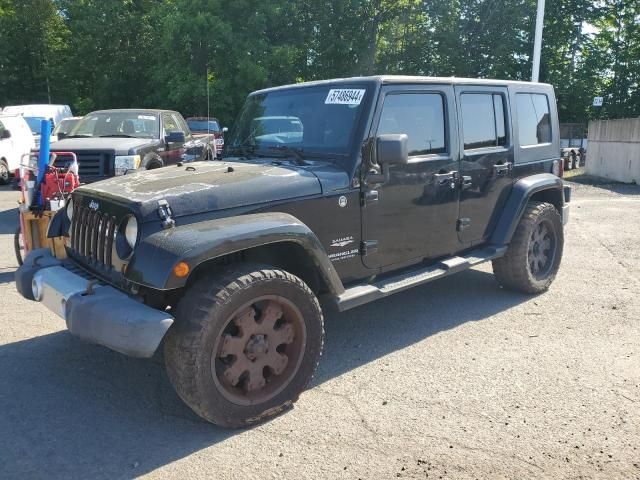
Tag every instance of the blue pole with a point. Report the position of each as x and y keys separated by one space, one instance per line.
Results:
x=43 y=158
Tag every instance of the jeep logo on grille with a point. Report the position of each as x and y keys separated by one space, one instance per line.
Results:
x=93 y=205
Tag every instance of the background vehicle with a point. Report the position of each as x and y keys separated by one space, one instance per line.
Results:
x=115 y=142
x=368 y=187
x=15 y=141
x=63 y=128
x=208 y=126
x=573 y=144
x=34 y=114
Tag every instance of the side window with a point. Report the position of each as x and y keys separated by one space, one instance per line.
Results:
x=2 y=129
x=420 y=116
x=483 y=120
x=170 y=124
x=534 y=121
x=501 y=128
x=182 y=126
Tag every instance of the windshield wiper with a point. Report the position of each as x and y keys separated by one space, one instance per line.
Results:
x=123 y=135
x=295 y=153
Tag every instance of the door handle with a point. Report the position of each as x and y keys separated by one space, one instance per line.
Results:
x=467 y=182
x=503 y=168
x=445 y=178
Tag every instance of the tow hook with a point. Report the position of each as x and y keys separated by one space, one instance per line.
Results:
x=165 y=213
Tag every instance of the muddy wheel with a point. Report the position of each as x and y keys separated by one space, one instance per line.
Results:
x=244 y=345
x=533 y=258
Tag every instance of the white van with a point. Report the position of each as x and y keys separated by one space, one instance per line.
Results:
x=16 y=139
x=34 y=114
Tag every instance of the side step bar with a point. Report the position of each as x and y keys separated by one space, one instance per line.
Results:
x=361 y=294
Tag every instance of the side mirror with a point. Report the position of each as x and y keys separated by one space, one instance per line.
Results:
x=61 y=135
x=174 y=137
x=5 y=134
x=225 y=129
x=392 y=148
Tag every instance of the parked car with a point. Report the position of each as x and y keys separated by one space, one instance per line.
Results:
x=34 y=114
x=15 y=141
x=208 y=126
x=63 y=128
x=226 y=261
x=116 y=142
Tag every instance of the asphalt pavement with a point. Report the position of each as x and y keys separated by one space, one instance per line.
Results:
x=456 y=379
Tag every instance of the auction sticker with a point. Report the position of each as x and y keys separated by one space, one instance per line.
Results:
x=344 y=96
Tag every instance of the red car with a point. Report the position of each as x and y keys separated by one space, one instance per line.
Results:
x=208 y=126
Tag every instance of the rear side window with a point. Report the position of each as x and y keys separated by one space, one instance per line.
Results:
x=420 y=116
x=483 y=120
x=534 y=121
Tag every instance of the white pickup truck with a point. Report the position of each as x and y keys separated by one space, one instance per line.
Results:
x=16 y=139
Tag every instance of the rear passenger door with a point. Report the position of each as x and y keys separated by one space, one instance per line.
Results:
x=486 y=159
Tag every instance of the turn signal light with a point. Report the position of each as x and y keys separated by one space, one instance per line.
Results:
x=181 y=269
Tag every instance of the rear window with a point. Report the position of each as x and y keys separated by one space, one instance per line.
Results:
x=534 y=121
x=203 y=125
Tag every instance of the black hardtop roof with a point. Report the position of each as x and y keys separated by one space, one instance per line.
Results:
x=407 y=79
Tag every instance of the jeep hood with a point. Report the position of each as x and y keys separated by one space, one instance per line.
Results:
x=118 y=145
x=203 y=187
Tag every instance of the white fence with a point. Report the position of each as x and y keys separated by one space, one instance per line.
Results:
x=614 y=149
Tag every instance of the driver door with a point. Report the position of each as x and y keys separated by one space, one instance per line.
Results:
x=174 y=152
x=413 y=215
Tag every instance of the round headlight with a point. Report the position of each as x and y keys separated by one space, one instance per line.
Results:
x=131 y=231
x=70 y=209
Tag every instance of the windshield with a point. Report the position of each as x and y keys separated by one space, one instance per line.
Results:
x=118 y=124
x=34 y=124
x=318 y=119
x=65 y=126
x=201 y=125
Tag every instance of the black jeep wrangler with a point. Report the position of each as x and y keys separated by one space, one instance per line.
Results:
x=344 y=190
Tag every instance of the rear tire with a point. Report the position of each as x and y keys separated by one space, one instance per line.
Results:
x=244 y=345
x=533 y=257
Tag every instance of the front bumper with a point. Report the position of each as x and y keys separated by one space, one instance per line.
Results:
x=93 y=311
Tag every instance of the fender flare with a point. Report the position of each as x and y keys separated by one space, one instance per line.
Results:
x=523 y=190
x=156 y=255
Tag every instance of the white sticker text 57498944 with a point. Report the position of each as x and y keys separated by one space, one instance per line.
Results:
x=345 y=96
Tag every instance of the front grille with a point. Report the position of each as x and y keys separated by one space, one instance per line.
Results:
x=92 y=236
x=91 y=164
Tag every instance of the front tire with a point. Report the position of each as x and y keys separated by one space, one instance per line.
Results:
x=244 y=345
x=533 y=257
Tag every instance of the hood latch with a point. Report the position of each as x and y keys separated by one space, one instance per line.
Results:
x=165 y=214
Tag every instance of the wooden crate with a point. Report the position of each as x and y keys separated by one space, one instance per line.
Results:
x=35 y=233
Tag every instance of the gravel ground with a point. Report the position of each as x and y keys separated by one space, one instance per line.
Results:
x=457 y=379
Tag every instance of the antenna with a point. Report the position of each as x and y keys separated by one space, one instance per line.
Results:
x=208 y=125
